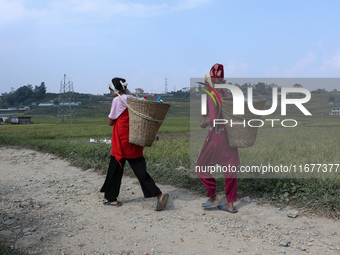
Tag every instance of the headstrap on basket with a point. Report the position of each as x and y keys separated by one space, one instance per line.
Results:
x=140 y=114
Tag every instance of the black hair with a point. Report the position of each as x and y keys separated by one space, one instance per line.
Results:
x=117 y=83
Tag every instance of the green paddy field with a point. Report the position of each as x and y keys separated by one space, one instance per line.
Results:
x=315 y=140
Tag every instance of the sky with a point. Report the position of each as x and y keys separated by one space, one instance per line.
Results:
x=146 y=42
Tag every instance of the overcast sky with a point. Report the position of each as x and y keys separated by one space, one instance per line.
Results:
x=93 y=41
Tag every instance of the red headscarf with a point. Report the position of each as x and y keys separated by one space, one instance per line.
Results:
x=217 y=73
x=217 y=76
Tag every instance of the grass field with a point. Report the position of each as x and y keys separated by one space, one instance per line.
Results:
x=4 y=250
x=315 y=140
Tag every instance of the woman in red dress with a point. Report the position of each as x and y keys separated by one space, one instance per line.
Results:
x=122 y=150
x=216 y=150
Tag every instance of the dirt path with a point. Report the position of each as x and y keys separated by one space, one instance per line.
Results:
x=50 y=207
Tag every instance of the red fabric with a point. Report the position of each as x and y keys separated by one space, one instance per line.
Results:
x=216 y=150
x=230 y=186
x=121 y=148
x=217 y=71
x=217 y=75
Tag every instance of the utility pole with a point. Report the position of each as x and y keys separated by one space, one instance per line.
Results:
x=166 y=85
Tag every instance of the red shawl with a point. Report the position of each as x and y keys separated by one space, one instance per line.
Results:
x=121 y=148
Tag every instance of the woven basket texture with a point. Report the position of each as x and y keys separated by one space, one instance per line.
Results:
x=239 y=135
x=142 y=132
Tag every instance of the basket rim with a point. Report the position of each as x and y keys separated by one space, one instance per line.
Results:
x=146 y=101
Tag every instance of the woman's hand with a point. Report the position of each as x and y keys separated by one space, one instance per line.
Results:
x=111 y=121
x=204 y=123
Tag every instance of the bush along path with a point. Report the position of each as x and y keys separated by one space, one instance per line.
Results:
x=50 y=207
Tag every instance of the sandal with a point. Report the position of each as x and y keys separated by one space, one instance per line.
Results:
x=162 y=204
x=223 y=208
x=107 y=202
x=208 y=203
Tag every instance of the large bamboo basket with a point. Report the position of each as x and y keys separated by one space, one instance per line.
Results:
x=145 y=118
x=238 y=135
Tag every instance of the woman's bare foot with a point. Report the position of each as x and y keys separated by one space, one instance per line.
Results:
x=160 y=197
x=230 y=206
x=212 y=200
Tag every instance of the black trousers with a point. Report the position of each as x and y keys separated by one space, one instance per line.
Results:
x=114 y=176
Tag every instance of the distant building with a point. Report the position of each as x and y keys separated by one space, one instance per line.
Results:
x=24 y=120
x=139 y=91
x=26 y=108
x=335 y=111
x=70 y=104
x=7 y=117
x=21 y=120
x=46 y=104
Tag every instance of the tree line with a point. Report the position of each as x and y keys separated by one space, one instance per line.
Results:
x=26 y=94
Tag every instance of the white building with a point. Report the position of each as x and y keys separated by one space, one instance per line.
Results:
x=70 y=104
x=46 y=104
x=335 y=111
x=139 y=91
x=4 y=117
x=26 y=108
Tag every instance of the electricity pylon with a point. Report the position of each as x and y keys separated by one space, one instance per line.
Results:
x=66 y=104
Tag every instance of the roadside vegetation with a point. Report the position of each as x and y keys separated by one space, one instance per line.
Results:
x=314 y=140
x=5 y=250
